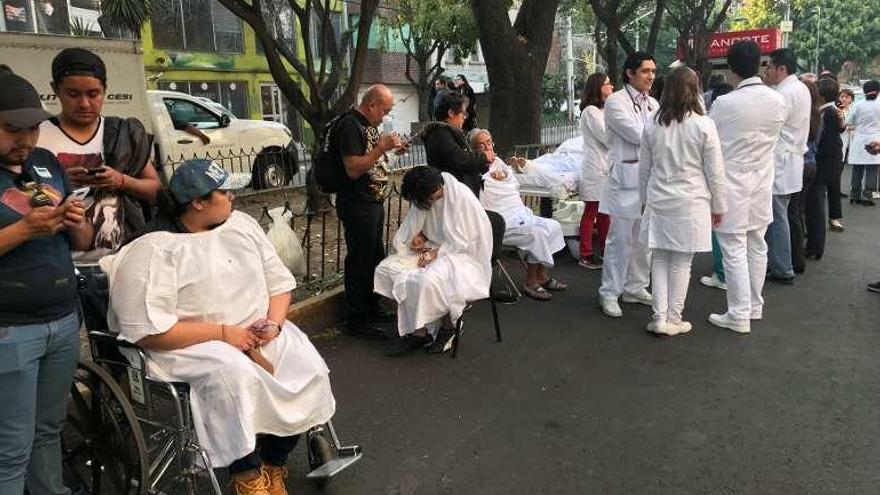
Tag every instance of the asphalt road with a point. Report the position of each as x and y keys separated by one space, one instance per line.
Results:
x=575 y=402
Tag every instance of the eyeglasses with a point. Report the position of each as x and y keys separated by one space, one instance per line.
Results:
x=486 y=144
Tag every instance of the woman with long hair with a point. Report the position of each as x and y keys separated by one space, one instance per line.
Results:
x=464 y=88
x=865 y=119
x=797 y=202
x=595 y=168
x=682 y=186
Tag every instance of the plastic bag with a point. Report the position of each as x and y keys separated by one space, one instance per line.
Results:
x=286 y=242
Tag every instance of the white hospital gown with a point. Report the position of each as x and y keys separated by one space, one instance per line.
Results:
x=462 y=271
x=223 y=276
x=539 y=237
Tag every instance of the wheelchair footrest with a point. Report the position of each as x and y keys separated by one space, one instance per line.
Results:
x=347 y=456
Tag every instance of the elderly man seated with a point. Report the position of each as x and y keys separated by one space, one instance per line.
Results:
x=442 y=260
x=539 y=237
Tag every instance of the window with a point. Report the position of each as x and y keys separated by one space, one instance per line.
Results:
x=317 y=25
x=196 y=25
x=186 y=112
x=232 y=95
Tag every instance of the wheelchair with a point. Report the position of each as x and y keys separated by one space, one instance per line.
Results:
x=128 y=434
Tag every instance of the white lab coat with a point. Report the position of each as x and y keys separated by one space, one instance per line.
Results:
x=865 y=117
x=223 y=276
x=792 y=144
x=539 y=237
x=596 y=167
x=624 y=123
x=458 y=225
x=748 y=120
x=681 y=181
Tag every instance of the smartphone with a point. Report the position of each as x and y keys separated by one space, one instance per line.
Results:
x=94 y=171
x=80 y=194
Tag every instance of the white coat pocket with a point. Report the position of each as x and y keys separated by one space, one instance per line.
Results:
x=628 y=175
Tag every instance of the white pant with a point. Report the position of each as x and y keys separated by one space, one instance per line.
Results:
x=745 y=267
x=627 y=262
x=670 y=277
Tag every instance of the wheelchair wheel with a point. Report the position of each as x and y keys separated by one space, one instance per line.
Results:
x=103 y=444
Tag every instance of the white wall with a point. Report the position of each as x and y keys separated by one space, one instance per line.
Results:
x=406 y=107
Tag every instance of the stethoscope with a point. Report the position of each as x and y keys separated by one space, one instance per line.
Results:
x=636 y=106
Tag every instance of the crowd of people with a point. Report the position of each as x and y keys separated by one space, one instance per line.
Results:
x=743 y=170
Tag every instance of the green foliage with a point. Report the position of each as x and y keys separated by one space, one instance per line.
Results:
x=553 y=93
x=848 y=30
x=429 y=26
x=127 y=14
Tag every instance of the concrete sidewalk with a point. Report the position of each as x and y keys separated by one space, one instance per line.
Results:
x=575 y=402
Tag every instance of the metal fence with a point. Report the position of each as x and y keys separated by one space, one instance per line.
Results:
x=279 y=180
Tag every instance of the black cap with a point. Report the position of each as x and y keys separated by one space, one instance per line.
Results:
x=78 y=62
x=19 y=102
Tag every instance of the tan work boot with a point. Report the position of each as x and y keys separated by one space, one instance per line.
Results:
x=253 y=482
x=276 y=475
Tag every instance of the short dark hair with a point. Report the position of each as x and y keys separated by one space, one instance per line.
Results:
x=784 y=57
x=828 y=89
x=871 y=89
x=419 y=184
x=716 y=80
x=847 y=91
x=592 y=94
x=6 y=69
x=449 y=101
x=744 y=59
x=634 y=61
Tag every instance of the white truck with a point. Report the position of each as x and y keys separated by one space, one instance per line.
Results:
x=264 y=149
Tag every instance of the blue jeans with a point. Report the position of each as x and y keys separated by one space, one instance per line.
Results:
x=717 y=258
x=778 y=239
x=37 y=363
x=868 y=173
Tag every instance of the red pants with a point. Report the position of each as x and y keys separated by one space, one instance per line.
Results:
x=603 y=222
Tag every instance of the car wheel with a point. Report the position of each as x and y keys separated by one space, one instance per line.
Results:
x=269 y=170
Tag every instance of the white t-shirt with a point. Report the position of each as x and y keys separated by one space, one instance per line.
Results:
x=103 y=206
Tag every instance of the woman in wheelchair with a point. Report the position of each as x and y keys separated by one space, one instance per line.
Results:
x=201 y=293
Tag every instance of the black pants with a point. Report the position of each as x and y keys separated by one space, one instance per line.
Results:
x=362 y=221
x=796 y=221
x=270 y=449
x=815 y=216
x=835 y=212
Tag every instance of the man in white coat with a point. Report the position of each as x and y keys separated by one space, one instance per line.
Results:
x=748 y=121
x=788 y=158
x=626 y=267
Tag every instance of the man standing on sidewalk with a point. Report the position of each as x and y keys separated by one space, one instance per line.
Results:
x=360 y=206
x=39 y=326
x=788 y=159
x=748 y=120
x=626 y=267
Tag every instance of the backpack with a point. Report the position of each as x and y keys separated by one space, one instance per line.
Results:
x=327 y=167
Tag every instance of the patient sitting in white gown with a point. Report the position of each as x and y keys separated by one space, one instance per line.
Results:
x=442 y=260
x=539 y=237
x=207 y=297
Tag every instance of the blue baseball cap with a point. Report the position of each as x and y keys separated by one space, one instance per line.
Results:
x=197 y=177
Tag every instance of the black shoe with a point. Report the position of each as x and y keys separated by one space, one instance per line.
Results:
x=409 y=342
x=780 y=280
x=384 y=316
x=368 y=331
x=868 y=202
x=503 y=297
x=875 y=287
x=855 y=201
x=443 y=342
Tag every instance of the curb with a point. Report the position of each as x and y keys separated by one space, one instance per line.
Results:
x=318 y=313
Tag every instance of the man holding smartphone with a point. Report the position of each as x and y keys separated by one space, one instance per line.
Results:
x=109 y=154
x=39 y=327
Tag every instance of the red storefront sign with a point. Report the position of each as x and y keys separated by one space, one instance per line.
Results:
x=719 y=43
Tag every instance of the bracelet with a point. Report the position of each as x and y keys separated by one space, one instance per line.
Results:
x=121 y=181
x=223 y=332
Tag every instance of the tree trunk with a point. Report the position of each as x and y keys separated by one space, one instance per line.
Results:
x=424 y=90
x=516 y=58
x=610 y=52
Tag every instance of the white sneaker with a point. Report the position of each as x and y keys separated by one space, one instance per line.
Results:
x=610 y=307
x=725 y=321
x=679 y=328
x=713 y=281
x=756 y=315
x=658 y=327
x=640 y=297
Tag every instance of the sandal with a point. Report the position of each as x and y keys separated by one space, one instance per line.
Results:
x=553 y=284
x=538 y=293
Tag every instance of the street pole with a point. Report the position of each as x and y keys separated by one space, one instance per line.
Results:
x=818 y=32
x=787 y=19
x=595 y=48
x=638 y=35
x=569 y=68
